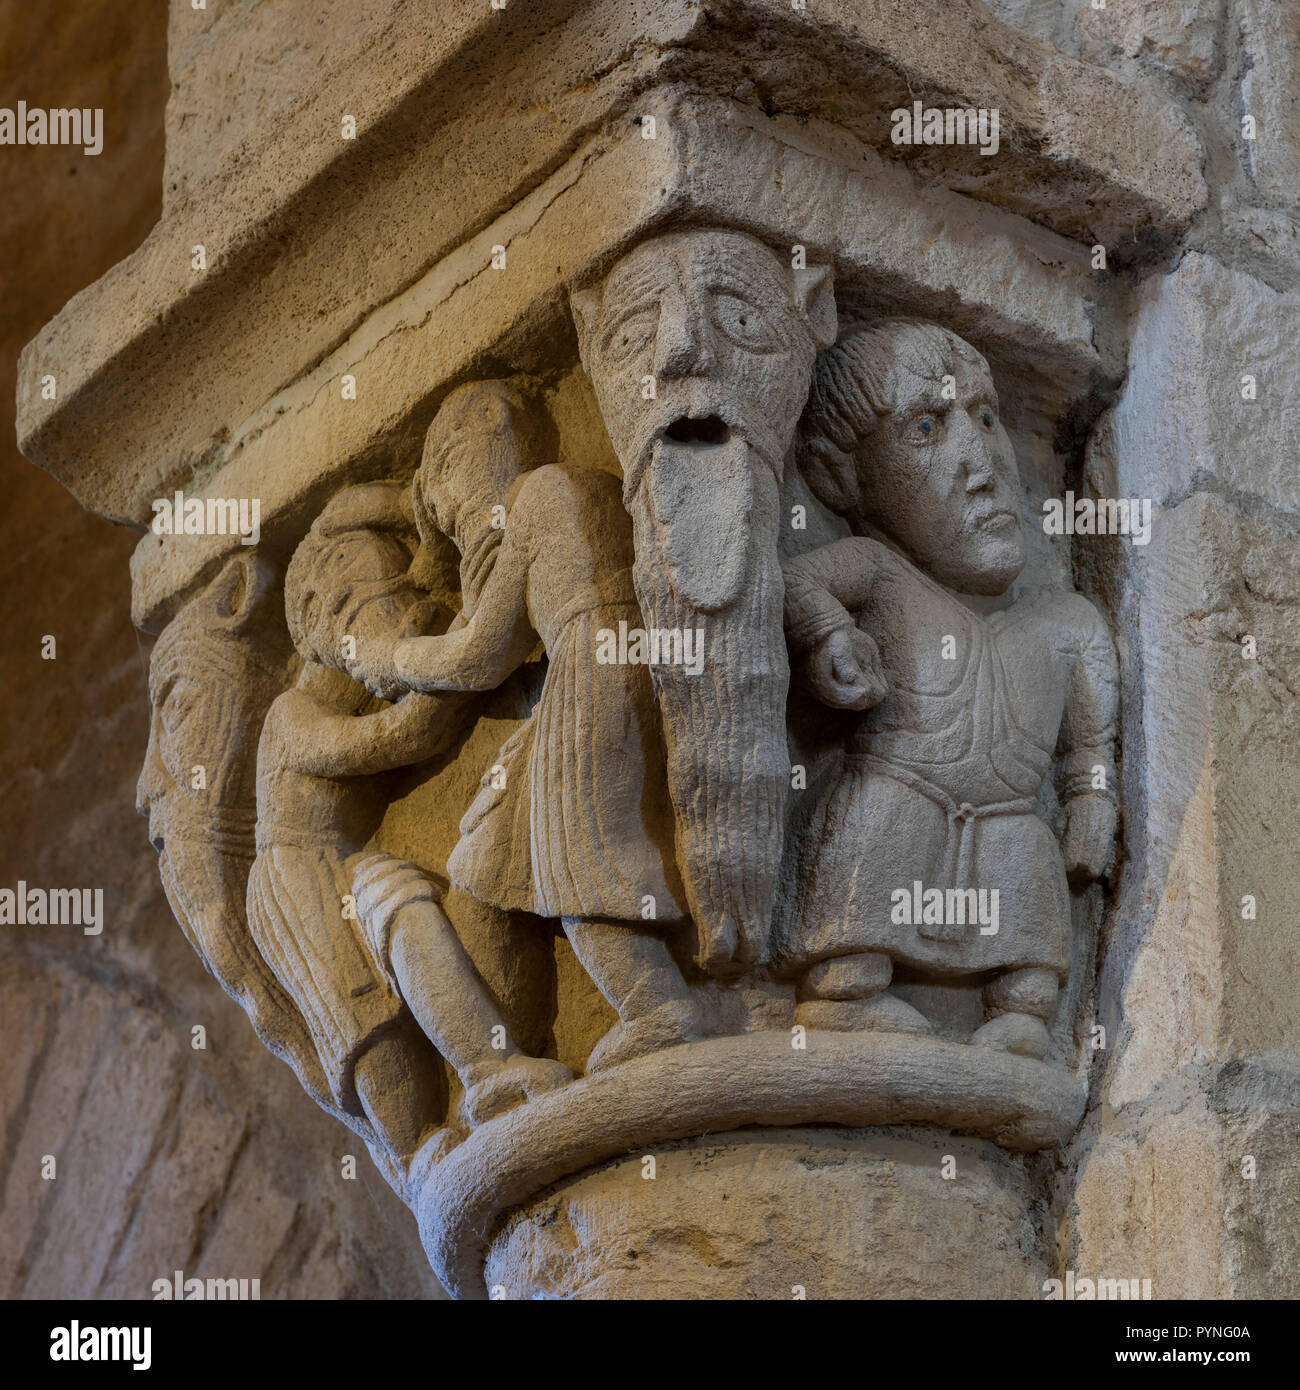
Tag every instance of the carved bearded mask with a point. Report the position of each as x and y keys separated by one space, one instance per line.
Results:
x=700 y=347
x=725 y=331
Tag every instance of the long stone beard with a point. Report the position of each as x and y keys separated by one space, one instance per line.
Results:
x=205 y=881
x=706 y=558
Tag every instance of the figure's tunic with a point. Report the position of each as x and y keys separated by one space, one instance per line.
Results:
x=575 y=821
x=296 y=897
x=309 y=831
x=939 y=783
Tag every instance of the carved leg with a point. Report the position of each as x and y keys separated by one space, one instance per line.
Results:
x=399 y=1092
x=847 y=994
x=636 y=972
x=1019 y=1005
x=433 y=973
x=439 y=983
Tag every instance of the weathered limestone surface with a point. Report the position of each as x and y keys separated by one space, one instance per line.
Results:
x=212 y=1162
x=572 y=70
x=763 y=1203
x=1269 y=44
x=1023 y=294
x=1184 y=422
x=1198 y=988
x=636 y=318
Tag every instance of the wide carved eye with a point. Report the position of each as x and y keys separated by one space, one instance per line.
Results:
x=924 y=429
x=630 y=334
x=748 y=327
x=179 y=704
x=987 y=418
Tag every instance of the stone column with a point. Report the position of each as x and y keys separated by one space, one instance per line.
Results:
x=368 y=217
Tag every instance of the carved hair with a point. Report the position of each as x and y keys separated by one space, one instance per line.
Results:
x=853 y=389
x=358 y=549
x=224 y=609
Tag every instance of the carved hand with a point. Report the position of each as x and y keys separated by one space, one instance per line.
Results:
x=443 y=663
x=844 y=670
x=1086 y=846
x=375 y=670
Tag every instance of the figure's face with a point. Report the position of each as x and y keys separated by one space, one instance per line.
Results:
x=192 y=712
x=375 y=623
x=939 y=477
x=482 y=440
x=463 y=498
x=361 y=602
x=713 y=317
x=177 y=701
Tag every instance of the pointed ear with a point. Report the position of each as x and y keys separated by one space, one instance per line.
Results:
x=815 y=291
x=585 y=305
x=235 y=593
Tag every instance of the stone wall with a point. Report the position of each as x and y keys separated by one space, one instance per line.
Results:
x=212 y=1162
x=1166 y=132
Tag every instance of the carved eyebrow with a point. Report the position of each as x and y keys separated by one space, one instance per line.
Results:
x=647 y=300
x=743 y=280
x=636 y=283
x=928 y=400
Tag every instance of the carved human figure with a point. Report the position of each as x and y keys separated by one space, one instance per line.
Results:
x=700 y=345
x=366 y=962
x=484 y=435
x=214 y=672
x=573 y=821
x=973 y=687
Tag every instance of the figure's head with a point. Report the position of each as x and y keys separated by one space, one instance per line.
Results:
x=214 y=672
x=883 y=443
x=212 y=675
x=350 y=578
x=481 y=441
x=725 y=328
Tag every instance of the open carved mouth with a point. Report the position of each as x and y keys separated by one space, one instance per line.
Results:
x=709 y=430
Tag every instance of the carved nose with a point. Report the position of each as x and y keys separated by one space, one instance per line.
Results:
x=152 y=782
x=682 y=347
x=980 y=472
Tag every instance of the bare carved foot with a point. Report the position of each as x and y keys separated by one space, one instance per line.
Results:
x=881 y=1013
x=514 y=1082
x=1022 y=1034
x=676 y=1021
